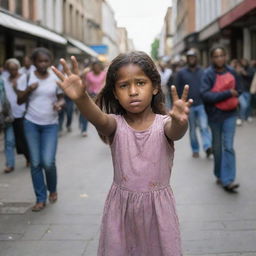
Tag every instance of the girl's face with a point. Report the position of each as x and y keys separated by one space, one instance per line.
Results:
x=13 y=69
x=219 y=58
x=42 y=63
x=133 y=89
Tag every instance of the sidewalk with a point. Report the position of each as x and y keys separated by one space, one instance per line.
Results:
x=212 y=221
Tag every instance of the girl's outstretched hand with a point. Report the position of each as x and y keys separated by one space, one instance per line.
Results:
x=70 y=83
x=180 y=106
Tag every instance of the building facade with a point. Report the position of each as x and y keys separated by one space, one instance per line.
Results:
x=110 y=32
x=230 y=23
x=123 y=40
x=21 y=32
x=166 y=35
x=93 y=22
x=184 y=24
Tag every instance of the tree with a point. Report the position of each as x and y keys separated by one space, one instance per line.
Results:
x=154 y=49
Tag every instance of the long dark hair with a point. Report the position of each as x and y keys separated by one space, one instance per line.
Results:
x=106 y=99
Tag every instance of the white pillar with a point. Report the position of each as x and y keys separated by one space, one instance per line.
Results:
x=49 y=14
x=40 y=11
x=59 y=16
x=247 y=44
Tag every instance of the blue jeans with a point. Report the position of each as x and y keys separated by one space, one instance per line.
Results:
x=9 y=145
x=224 y=155
x=83 y=123
x=42 y=144
x=68 y=110
x=245 y=105
x=198 y=117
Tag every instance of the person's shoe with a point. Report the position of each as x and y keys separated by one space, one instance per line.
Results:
x=208 y=152
x=195 y=155
x=69 y=129
x=249 y=119
x=53 y=197
x=239 y=122
x=38 y=207
x=231 y=187
x=218 y=182
x=84 y=134
x=8 y=169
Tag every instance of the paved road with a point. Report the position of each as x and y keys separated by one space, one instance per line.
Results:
x=212 y=221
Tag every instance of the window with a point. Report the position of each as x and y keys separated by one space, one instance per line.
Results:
x=18 y=7
x=4 y=4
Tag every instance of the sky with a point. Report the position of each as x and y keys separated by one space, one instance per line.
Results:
x=143 y=19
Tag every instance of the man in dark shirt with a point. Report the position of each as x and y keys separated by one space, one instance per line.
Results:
x=192 y=75
x=246 y=73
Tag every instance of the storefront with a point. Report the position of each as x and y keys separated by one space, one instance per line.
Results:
x=19 y=37
x=239 y=24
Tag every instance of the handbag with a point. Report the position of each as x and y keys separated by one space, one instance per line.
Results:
x=223 y=83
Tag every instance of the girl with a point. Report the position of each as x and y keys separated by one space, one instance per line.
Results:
x=44 y=100
x=139 y=216
x=14 y=134
x=220 y=89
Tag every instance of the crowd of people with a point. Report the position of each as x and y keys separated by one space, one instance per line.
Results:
x=224 y=97
x=32 y=111
x=139 y=109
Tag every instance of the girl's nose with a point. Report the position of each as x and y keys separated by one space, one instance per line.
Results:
x=133 y=90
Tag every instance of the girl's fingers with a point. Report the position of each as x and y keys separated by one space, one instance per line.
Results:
x=189 y=103
x=174 y=93
x=60 y=84
x=185 y=93
x=65 y=67
x=58 y=73
x=75 y=65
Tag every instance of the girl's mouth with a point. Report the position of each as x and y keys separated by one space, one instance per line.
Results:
x=135 y=102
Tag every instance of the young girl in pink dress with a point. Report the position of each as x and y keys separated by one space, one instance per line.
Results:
x=139 y=217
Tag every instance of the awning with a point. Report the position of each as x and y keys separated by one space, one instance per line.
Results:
x=29 y=28
x=237 y=12
x=83 y=47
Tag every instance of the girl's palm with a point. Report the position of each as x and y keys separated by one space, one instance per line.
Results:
x=71 y=83
x=180 y=108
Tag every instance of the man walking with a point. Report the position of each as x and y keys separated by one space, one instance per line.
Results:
x=192 y=75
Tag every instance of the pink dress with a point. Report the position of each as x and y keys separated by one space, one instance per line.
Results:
x=139 y=216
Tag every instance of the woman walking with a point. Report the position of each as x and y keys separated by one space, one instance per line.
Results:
x=44 y=100
x=14 y=133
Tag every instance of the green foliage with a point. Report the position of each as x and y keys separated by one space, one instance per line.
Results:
x=154 y=49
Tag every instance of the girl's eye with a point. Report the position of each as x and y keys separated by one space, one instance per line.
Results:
x=140 y=82
x=123 y=85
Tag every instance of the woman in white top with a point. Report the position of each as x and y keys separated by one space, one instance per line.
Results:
x=14 y=133
x=44 y=100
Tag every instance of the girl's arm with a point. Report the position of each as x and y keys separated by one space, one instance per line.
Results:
x=74 y=88
x=176 y=127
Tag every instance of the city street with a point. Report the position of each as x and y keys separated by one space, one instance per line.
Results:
x=213 y=222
